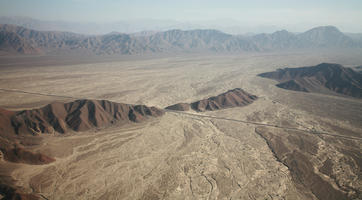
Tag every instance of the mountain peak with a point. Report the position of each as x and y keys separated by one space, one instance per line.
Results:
x=325 y=36
x=330 y=65
x=282 y=32
x=324 y=31
x=326 y=28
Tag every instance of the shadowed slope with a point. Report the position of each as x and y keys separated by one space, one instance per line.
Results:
x=232 y=98
x=14 y=152
x=79 y=115
x=11 y=193
x=299 y=152
x=319 y=78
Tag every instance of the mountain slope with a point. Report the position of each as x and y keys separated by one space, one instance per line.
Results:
x=42 y=41
x=325 y=36
x=79 y=115
x=275 y=41
x=13 y=43
x=320 y=78
x=232 y=98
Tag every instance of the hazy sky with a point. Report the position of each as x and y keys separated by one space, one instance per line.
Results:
x=300 y=14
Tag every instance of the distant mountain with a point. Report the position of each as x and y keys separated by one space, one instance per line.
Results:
x=319 y=37
x=135 y=26
x=355 y=36
x=325 y=36
x=232 y=98
x=322 y=78
x=11 y=42
x=358 y=68
x=93 y=28
x=26 y=41
x=275 y=41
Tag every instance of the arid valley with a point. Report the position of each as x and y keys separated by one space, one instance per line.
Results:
x=174 y=100
x=283 y=144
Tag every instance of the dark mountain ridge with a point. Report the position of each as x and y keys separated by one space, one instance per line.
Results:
x=319 y=78
x=79 y=115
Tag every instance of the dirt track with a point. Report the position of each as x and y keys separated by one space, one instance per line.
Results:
x=267 y=125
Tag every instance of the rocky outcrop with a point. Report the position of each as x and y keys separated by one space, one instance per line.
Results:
x=323 y=77
x=232 y=98
x=18 y=154
x=79 y=115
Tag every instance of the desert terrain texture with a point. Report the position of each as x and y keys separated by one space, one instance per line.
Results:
x=283 y=144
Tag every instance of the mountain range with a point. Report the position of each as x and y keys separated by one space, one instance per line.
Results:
x=20 y=40
x=139 y=25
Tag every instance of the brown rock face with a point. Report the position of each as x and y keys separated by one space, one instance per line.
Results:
x=232 y=98
x=5 y=121
x=325 y=76
x=79 y=115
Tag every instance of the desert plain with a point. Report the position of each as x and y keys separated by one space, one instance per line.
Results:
x=285 y=145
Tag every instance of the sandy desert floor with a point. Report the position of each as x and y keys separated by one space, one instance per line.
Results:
x=186 y=156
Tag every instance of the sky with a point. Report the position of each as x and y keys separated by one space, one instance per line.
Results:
x=294 y=14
